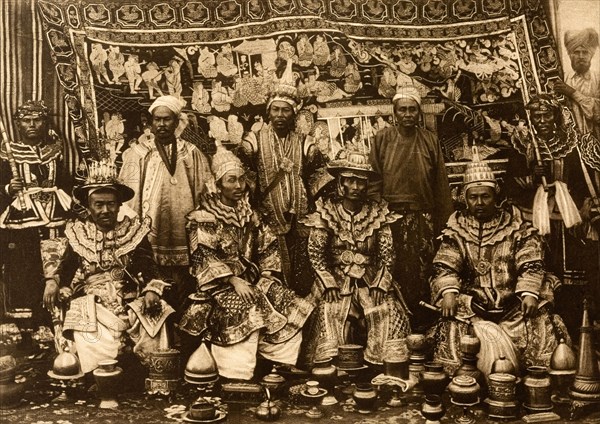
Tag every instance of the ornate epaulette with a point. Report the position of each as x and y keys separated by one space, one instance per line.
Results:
x=201 y=216
x=494 y=231
x=83 y=236
x=26 y=154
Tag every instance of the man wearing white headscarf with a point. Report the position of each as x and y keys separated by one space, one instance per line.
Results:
x=167 y=175
x=412 y=179
x=582 y=85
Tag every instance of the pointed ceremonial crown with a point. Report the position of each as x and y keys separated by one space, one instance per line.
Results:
x=102 y=174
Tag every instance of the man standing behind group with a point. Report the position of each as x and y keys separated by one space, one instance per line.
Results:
x=412 y=179
x=283 y=161
x=42 y=183
x=167 y=175
x=582 y=86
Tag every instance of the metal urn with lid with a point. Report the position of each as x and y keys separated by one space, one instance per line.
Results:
x=464 y=390
x=563 y=366
x=502 y=400
x=434 y=379
x=503 y=366
x=274 y=382
x=66 y=366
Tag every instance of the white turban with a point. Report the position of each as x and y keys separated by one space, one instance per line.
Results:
x=173 y=103
x=407 y=92
x=586 y=38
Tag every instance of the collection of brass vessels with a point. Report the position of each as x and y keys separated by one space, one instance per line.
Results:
x=571 y=378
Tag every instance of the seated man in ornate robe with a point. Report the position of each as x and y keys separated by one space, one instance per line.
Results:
x=241 y=305
x=351 y=250
x=489 y=269
x=108 y=270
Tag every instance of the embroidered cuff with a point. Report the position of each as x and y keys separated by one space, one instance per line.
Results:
x=155 y=286
x=529 y=283
x=442 y=283
x=327 y=280
x=209 y=276
x=526 y=293
x=383 y=280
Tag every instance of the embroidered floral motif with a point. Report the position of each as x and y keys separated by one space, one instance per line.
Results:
x=286 y=165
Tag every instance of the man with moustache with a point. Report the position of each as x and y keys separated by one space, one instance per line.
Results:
x=582 y=85
x=562 y=209
x=167 y=175
x=107 y=270
x=412 y=179
x=490 y=271
x=42 y=185
x=283 y=161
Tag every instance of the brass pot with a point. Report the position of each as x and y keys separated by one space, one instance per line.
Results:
x=164 y=364
x=268 y=410
x=470 y=344
x=537 y=389
x=464 y=390
x=325 y=373
x=202 y=410
x=108 y=381
x=502 y=387
x=434 y=379
x=396 y=368
x=274 y=382
x=10 y=394
x=433 y=409
x=350 y=356
x=365 y=397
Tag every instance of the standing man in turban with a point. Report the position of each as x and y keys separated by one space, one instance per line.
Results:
x=582 y=86
x=412 y=179
x=41 y=185
x=283 y=160
x=167 y=175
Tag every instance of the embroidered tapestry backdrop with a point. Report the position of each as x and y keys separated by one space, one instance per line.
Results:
x=349 y=57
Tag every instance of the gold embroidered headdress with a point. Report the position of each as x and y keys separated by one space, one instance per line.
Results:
x=351 y=163
x=285 y=89
x=478 y=174
x=102 y=175
x=31 y=108
x=224 y=161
